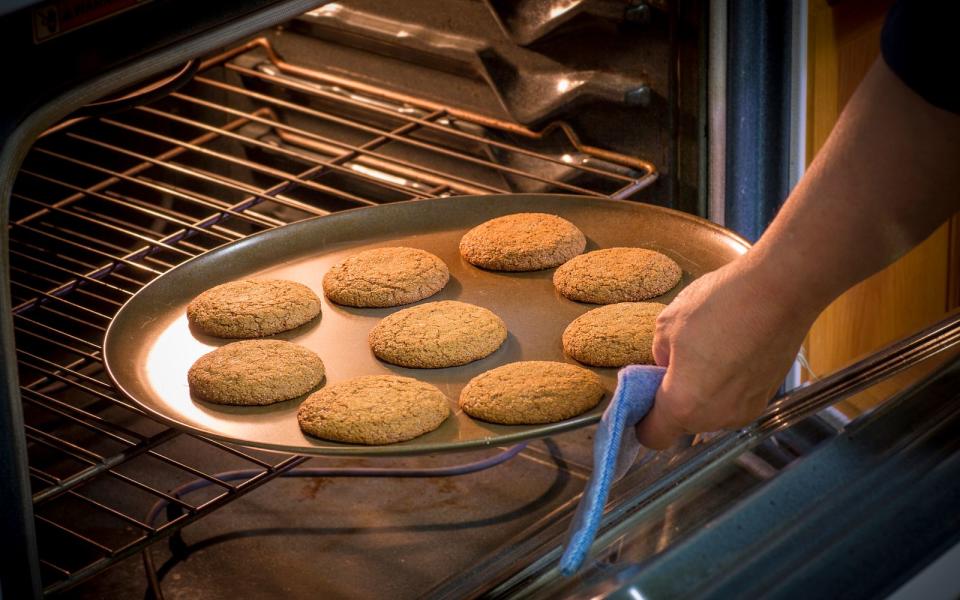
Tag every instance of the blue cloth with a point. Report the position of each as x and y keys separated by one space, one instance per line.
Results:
x=615 y=447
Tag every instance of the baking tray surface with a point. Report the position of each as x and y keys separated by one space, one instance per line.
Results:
x=149 y=346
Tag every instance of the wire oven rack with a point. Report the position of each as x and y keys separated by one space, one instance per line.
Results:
x=103 y=205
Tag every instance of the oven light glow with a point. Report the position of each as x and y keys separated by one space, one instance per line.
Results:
x=326 y=8
x=567 y=159
x=403 y=33
x=561 y=8
x=563 y=85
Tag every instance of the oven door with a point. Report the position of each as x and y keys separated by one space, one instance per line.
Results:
x=797 y=504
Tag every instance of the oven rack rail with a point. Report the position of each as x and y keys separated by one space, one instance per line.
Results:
x=102 y=205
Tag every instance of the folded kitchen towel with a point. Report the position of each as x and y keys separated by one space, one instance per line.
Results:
x=615 y=447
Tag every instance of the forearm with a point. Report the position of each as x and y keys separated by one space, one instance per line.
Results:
x=884 y=180
x=879 y=186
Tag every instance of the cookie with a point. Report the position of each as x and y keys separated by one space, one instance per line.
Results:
x=437 y=334
x=385 y=277
x=522 y=242
x=376 y=409
x=617 y=275
x=531 y=392
x=614 y=335
x=253 y=308
x=255 y=372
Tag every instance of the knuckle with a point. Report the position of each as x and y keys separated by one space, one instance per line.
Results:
x=664 y=320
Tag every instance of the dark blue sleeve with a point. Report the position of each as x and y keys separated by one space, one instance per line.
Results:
x=921 y=43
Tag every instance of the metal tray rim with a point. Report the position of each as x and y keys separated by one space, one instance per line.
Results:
x=389 y=449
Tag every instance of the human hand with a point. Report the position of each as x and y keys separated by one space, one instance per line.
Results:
x=728 y=341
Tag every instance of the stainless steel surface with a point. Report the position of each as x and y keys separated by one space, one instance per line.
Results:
x=527 y=21
x=939 y=339
x=717 y=112
x=149 y=346
x=593 y=42
x=549 y=86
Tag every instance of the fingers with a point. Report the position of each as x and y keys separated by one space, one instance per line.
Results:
x=655 y=431
x=679 y=409
x=659 y=429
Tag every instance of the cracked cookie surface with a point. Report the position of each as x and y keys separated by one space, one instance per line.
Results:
x=437 y=334
x=255 y=372
x=373 y=410
x=615 y=335
x=252 y=308
x=531 y=392
x=384 y=277
x=617 y=275
x=522 y=242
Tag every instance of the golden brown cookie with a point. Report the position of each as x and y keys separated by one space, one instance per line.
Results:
x=437 y=334
x=385 y=277
x=614 y=335
x=531 y=392
x=376 y=409
x=255 y=372
x=522 y=242
x=617 y=275
x=253 y=308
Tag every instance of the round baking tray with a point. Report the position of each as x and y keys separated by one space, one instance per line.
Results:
x=149 y=346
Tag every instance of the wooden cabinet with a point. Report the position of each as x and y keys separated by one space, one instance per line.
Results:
x=920 y=288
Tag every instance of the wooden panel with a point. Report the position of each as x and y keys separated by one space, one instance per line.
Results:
x=899 y=300
x=844 y=40
x=953 y=270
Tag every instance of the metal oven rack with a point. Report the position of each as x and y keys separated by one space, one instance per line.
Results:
x=103 y=205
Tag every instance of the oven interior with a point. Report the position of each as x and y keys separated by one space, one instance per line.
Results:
x=349 y=105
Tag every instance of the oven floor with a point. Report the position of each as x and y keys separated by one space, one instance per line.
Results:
x=359 y=538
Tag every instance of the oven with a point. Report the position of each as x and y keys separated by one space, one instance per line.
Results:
x=138 y=135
